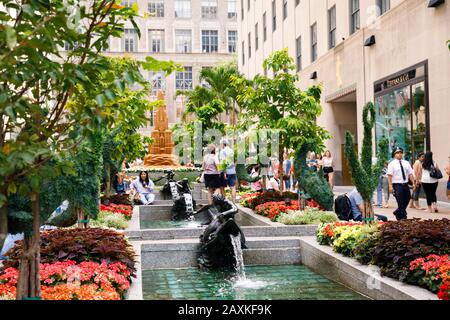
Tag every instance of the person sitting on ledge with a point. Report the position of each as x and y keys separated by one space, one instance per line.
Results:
x=143 y=188
x=358 y=207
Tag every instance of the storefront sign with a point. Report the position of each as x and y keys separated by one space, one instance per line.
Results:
x=396 y=81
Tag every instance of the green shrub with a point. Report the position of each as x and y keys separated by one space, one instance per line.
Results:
x=365 y=246
x=110 y=220
x=309 y=216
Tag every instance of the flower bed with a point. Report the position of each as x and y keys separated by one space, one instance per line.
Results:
x=108 y=219
x=273 y=210
x=432 y=273
x=79 y=245
x=308 y=216
x=71 y=281
x=125 y=210
x=76 y=264
x=162 y=169
x=253 y=200
x=399 y=248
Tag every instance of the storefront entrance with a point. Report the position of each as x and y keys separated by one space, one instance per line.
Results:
x=401 y=103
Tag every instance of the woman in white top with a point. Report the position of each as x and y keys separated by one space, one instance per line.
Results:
x=211 y=172
x=327 y=163
x=272 y=184
x=429 y=183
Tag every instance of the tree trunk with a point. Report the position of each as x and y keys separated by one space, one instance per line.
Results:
x=107 y=183
x=82 y=218
x=280 y=165
x=29 y=284
x=368 y=214
x=3 y=224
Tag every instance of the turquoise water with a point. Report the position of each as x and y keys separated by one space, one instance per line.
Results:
x=291 y=282
x=166 y=224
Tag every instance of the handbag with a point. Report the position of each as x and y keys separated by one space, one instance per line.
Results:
x=435 y=173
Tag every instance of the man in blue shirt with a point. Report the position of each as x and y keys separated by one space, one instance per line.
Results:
x=357 y=203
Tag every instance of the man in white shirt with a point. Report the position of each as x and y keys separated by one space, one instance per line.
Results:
x=399 y=172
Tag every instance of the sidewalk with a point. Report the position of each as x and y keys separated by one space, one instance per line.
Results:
x=444 y=207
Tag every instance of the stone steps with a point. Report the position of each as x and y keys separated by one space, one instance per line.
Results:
x=183 y=253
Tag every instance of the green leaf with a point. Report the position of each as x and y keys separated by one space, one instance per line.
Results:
x=11 y=37
x=110 y=94
x=120 y=85
x=12 y=188
x=100 y=98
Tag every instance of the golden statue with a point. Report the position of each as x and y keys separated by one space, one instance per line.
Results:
x=162 y=147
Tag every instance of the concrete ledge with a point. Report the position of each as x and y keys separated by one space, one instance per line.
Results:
x=361 y=278
x=249 y=231
x=135 y=290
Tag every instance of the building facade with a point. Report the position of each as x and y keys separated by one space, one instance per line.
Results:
x=390 y=52
x=194 y=33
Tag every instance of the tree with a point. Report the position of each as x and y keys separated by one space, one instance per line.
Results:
x=365 y=176
x=36 y=83
x=127 y=112
x=278 y=104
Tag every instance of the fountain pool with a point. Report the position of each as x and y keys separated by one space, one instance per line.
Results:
x=284 y=282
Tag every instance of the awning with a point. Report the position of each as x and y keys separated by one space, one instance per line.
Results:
x=340 y=93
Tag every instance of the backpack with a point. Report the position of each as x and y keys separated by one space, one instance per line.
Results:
x=343 y=208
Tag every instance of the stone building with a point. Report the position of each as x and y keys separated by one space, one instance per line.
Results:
x=391 y=52
x=194 y=33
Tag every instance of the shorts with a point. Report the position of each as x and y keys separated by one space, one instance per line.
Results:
x=213 y=181
x=328 y=169
x=230 y=181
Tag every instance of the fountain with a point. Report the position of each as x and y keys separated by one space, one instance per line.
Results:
x=217 y=247
x=160 y=154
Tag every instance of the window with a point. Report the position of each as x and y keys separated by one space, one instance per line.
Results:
x=183 y=79
x=242 y=9
x=354 y=16
x=232 y=9
x=157 y=81
x=232 y=40
x=129 y=40
x=274 y=16
x=210 y=42
x=264 y=27
x=209 y=9
x=156 y=40
x=384 y=5
x=203 y=82
x=332 y=27
x=256 y=37
x=183 y=41
x=249 y=45
x=314 y=42
x=243 y=52
x=128 y=3
x=298 y=50
x=156 y=8
x=297 y=2
x=285 y=8
x=182 y=8
x=248 y=5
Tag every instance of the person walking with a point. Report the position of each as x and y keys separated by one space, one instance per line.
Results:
x=211 y=172
x=417 y=167
x=447 y=170
x=143 y=188
x=399 y=173
x=328 y=170
x=226 y=160
x=430 y=183
x=313 y=163
x=383 y=188
x=287 y=166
